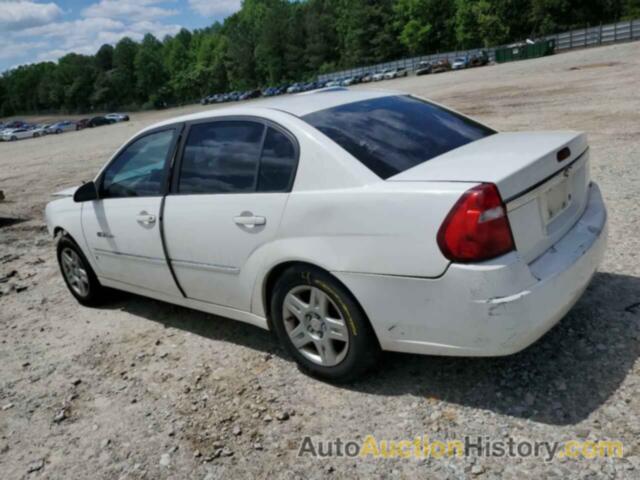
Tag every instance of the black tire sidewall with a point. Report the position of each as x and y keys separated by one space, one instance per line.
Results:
x=363 y=345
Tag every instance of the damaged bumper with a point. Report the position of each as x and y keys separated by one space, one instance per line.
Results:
x=491 y=309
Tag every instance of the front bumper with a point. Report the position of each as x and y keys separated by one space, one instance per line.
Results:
x=496 y=308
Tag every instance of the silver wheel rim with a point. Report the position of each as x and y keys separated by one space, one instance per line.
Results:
x=315 y=325
x=75 y=272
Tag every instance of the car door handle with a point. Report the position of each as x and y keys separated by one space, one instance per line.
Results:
x=145 y=219
x=249 y=220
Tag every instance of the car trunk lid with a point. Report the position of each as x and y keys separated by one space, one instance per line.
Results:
x=544 y=196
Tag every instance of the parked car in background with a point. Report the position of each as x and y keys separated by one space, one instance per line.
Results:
x=460 y=63
x=367 y=77
x=380 y=75
x=99 y=121
x=396 y=73
x=336 y=82
x=251 y=94
x=40 y=130
x=61 y=127
x=82 y=123
x=295 y=88
x=441 y=66
x=355 y=79
x=16 y=124
x=309 y=86
x=479 y=60
x=12 y=134
x=118 y=117
x=282 y=89
x=255 y=228
x=424 y=68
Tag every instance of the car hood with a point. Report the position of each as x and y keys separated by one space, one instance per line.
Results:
x=67 y=192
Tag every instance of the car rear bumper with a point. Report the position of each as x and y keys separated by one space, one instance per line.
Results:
x=490 y=309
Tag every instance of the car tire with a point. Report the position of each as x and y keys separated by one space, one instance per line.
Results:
x=14 y=138
x=78 y=275
x=350 y=357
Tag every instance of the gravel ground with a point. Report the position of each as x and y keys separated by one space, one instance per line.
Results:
x=142 y=389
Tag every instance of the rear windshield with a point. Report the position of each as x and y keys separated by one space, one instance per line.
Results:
x=392 y=134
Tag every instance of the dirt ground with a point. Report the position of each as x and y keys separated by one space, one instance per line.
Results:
x=141 y=389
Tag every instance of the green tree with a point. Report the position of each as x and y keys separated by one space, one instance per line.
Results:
x=321 y=49
x=425 y=25
x=149 y=69
x=104 y=58
x=270 y=41
x=124 y=76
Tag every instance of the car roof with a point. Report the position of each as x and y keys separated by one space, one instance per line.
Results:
x=299 y=105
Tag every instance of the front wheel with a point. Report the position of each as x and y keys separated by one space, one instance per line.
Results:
x=322 y=325
x=78 y=274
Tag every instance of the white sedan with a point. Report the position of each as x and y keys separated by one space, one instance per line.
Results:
x=13 y=134
x=349 y=222
x=61 y=127
x=381 y=75
x=40 y=130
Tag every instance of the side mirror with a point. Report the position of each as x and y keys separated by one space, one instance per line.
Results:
x=86 y=193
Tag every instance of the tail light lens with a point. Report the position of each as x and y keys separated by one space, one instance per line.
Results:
x=477 y=227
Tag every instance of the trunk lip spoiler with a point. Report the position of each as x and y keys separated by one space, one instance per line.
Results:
x=537 y=185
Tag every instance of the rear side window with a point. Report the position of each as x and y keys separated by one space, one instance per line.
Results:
x=221 y=157
x=236 y=156
x=392 y=134
x=277 y=163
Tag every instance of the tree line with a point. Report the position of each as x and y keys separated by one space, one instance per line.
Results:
x=268 y=42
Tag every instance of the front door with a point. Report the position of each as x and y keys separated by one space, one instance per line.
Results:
x=122 y=228
x=231 y=189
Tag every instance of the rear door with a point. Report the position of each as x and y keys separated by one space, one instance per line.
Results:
x=228 y=194
x=122 y=227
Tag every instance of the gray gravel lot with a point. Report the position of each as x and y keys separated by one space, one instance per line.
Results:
x=142 y=389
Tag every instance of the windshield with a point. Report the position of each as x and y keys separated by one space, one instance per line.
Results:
x=392 y=134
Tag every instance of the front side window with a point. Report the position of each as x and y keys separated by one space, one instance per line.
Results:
x=395 y=133
x=221 y=157
x=139 y=170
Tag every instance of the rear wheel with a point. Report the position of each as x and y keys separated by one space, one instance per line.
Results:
x=78 y=274
x=322 y=326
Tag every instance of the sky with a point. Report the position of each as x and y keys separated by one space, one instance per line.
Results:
x=39 y=30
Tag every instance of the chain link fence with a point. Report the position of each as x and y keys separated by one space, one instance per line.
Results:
x=580 y=38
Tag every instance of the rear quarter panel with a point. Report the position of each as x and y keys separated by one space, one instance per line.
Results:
x=384 y=228
x=380 y=229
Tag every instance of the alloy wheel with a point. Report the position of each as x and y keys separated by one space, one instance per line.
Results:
x=315 y=325
x=75 y=272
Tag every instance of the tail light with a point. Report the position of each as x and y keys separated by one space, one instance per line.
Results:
x=477 y=227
